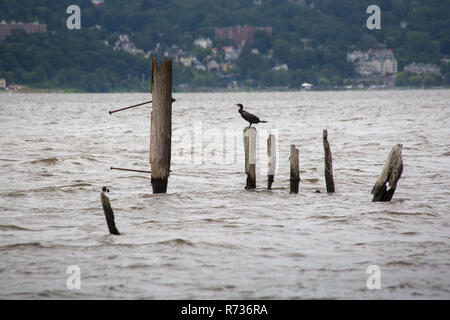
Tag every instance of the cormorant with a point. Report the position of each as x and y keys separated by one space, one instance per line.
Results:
x=248 y=116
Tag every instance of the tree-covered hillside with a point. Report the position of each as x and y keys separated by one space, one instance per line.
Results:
x=311 y=37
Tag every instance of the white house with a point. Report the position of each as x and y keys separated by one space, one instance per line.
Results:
x=204 y=43
x=421 y=68
x=231 y=53
x=279 y=67
x=373 y=62
x=186 y=61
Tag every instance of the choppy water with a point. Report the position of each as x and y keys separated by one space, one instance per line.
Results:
x=208 y=237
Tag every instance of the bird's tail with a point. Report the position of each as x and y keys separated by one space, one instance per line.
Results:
x=263 y=121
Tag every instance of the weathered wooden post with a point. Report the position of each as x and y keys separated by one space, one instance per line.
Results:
x=161 y=124
x=328 y=163
x=250 y=157
x=272 y=160
x=295 y=171
x=392 y=171
x=109 y=214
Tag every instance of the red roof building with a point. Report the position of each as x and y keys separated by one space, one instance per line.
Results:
x=7 y=28
x=240 y=35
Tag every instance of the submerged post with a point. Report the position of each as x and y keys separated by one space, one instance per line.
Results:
x=328 y=163
x=392 y=171
x=295 y=171
x=272 y=162
x=250 y=157
x=161 y=124
x=109 y=214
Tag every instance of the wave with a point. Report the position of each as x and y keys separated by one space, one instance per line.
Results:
x=89 y=158
x=15 y=194
x=48 y=161
x=176 y=242
x=21 y=245
x=399 y=263
x=77 y=185
x=10 y=227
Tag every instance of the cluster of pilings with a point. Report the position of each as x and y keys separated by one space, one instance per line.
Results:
x=250 y=162
x=161 y=138
x=390 y=174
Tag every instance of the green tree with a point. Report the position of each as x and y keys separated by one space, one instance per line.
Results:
x=281 y=78
x=324 y=83
x=430 y=80
x=401 y=79
x=415 y=80
x=202 y=53
x=262 y=41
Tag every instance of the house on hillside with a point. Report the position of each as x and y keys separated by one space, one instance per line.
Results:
x=373 y=62
x=421 y=68
x=240 y=35
x=97 y=2
x=204 y=43
x=186 y=61
x=2 y=83
x=280 y=67
x=231 y=54
x=125 y=44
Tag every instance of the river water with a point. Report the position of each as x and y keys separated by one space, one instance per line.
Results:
x=208 y=237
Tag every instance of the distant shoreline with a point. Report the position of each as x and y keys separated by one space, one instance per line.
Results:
x=218 y=90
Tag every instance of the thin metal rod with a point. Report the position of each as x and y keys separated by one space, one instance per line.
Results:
x=133 y=170
x=136 y=105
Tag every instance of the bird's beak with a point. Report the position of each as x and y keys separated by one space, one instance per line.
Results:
x=236 y=105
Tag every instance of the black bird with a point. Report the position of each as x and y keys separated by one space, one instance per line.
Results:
x=248 y=116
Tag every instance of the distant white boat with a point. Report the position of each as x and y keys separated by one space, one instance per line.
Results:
x=306 y=86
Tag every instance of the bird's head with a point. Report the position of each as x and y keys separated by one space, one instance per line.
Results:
x=239 y=105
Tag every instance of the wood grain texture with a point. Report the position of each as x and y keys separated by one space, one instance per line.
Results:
x=329 y=180
x=109 y=214
x=161 y=124
x=295 y=169
x=391 y=173
x=250 y=157
x=272 y=160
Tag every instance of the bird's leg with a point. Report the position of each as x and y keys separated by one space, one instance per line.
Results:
x=250 y=125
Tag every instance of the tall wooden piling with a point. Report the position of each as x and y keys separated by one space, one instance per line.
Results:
x=161 y=124
x=295 y=169
x=272 y=160
x=250 y=157
x=328 y=163
x=392 y=171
